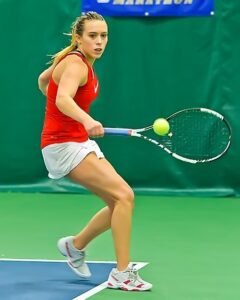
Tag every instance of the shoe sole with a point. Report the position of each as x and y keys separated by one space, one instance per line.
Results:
x=77 y=272
x=110 y=286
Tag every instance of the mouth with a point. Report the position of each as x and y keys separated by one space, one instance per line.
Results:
x=98 y=50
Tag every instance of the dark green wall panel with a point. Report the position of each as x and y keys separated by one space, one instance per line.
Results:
x=151 y=68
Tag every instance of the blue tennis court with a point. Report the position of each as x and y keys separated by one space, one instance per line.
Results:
x=47 y=280
x=50 y=279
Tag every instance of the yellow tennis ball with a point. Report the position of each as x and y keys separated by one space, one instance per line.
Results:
x=161 y=126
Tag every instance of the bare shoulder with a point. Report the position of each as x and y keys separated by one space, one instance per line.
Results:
x=76 y=62
x=71 y=66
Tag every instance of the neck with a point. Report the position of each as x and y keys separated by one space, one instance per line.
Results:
x=89 y=59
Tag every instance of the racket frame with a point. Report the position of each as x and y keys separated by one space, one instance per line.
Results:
x=138 y=133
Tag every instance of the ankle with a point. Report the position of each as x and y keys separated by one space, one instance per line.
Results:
x=77 y=244
x=122 y=268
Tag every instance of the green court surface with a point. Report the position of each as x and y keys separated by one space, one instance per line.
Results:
x=192 y=244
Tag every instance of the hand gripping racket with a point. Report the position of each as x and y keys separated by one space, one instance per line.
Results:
x=197 y=135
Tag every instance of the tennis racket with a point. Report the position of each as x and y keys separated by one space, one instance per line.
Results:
x=197 y=135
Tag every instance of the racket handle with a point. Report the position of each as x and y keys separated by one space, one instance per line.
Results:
x=117 y=131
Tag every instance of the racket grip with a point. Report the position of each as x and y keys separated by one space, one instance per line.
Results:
x=117 y=131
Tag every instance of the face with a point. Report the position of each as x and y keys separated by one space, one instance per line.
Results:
x=94 y=39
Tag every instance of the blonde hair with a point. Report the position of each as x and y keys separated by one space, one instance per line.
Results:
x=77 y=28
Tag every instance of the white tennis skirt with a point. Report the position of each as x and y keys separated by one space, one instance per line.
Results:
x=61 y=158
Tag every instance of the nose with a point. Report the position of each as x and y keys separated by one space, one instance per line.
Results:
x=99 y=40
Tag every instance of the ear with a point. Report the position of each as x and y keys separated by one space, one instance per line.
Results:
x=78 y=38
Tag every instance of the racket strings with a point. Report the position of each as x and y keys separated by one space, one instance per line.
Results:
x=197 y=135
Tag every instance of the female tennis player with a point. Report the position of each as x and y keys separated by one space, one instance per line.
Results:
x=70 y=85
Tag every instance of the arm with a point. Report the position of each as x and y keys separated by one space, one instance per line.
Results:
x=75 y=75
x=44 y=78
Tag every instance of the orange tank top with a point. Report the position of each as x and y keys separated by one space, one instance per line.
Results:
x=59 y=128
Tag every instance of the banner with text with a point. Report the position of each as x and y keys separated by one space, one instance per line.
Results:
x=150 y=7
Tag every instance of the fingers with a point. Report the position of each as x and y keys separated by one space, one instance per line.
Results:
x=95 y=129
x=96 y=135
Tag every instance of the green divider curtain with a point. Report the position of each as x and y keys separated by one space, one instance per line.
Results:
x=152 y=68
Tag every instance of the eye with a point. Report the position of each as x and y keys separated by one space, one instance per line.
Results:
x=92 y=35
x=103 y=35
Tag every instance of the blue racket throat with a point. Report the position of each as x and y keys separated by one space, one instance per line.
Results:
x=118 y=131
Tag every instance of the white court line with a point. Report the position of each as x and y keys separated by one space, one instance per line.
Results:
x=93 y=291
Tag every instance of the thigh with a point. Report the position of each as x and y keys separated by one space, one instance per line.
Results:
x=99 y=176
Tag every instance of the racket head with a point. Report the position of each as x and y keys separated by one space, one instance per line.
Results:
x=197 y=135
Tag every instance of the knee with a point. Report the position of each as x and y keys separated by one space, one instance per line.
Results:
x=125 y=195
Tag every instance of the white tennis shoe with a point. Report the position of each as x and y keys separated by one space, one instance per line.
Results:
x=75 y=257
x=128 y=280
